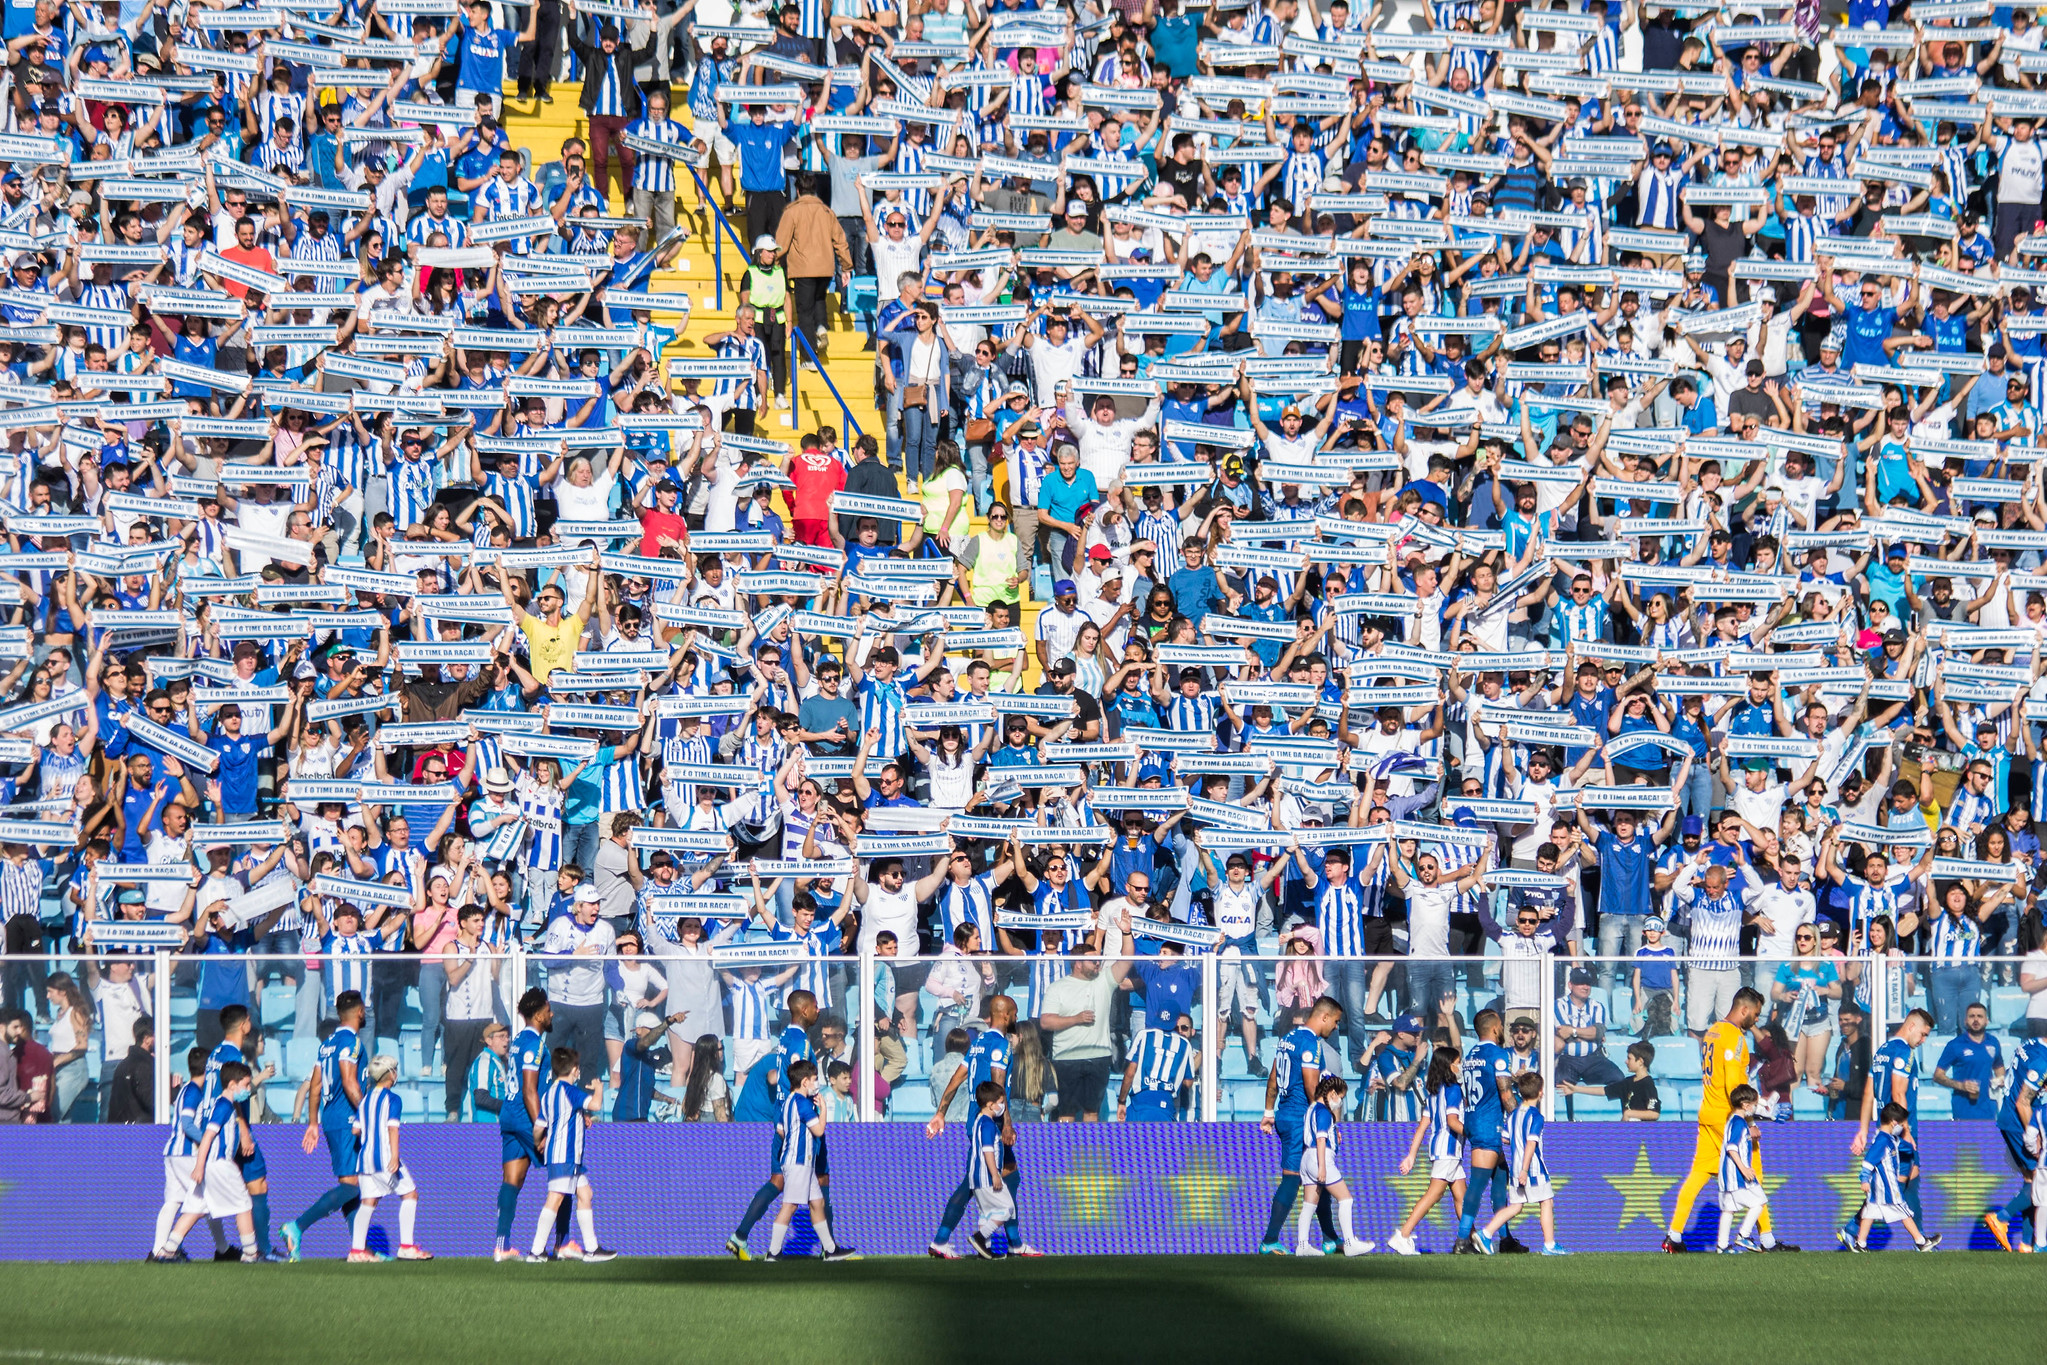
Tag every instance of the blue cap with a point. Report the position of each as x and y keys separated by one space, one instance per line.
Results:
x=1064 y=588
x=1463 y=816
x=1693 y=825
x=1408 y=1023
x=96 y=54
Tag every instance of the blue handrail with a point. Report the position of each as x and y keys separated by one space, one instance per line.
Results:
x=796 y=336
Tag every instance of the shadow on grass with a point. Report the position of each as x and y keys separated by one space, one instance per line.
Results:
x=1074 y=1309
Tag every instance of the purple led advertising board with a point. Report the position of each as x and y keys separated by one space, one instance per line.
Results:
x=92 y=1193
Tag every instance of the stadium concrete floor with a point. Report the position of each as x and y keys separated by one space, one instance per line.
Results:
x=1589 y=1309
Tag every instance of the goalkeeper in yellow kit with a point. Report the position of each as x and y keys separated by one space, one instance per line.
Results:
x=1724 y=1066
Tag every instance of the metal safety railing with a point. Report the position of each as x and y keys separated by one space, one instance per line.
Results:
x=799 y=344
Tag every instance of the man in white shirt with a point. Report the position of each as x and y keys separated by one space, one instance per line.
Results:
x=1779 y=907
x=1059 y=624
x=170 y=844
x=1104 y=441
x=1076 y=1012
x=1056 y=356
x=575 y=948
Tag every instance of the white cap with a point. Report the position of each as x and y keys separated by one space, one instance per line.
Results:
x=764 y=243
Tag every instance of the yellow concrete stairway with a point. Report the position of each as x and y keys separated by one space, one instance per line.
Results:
x=540 y=128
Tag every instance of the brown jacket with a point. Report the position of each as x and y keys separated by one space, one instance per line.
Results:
x=809 y=236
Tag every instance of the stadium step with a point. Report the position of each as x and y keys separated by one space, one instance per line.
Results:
x=539 y=130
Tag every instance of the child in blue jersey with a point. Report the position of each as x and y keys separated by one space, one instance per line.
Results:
x=1885 y=1169
x=799 y=1135
x=1321 y=1180
x=984 y=1169
x=1740 y=1191
x=217 y=1188
x=1289 y=1091
x=1529 y=1179
x=332 y=1103
x=1443 y=1129
x=188 y=1123
x=379 y=1168
x=563 y=1123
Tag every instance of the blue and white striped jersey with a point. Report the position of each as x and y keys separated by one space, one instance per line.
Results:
x=1524 y=1137
x=744 y=393
x=563 y=1110
x=798 y=1145
x=1957 y=940
x=1339 y=915
x=656 y=174
x=1738 y=1148
x=348 y=962
x=1444 y=1141
x=1164 y=1061
x=1319 y=1140
x=381 y=1108
x=751 y=1008
x=984 y=1139
x=1883 y=1173
x=187 y=1122
x=1587 y=1013
x=881 y=708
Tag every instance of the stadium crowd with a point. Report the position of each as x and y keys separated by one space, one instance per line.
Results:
x=1354 y=484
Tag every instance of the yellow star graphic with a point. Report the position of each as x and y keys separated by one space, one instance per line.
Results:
x=1641 y=1191
x=1848 y=1186
x=1410 y=1188
x=1970 y=1189
x=1092 y=1191
x=1202 y=1192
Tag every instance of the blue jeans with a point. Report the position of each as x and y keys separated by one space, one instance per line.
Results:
x=920 y=439
x=1951 y=990
x=579 y=846
x=979 y=478
x=1349 y=983
x=1697 y=796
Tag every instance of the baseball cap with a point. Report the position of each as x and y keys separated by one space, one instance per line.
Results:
x=1580 y=977
x=587 y=892
x=1064 y=668
x=1653 y=922
x=1408 y=1023
x=1064 y=588
x=1076 y=206
x=1693 y=825
x=647 y=1019
x=1099 y=552
x=1019 y=391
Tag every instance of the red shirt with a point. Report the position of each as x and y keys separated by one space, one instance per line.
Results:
x=257 y=256
x=655 y=524
x=817 y=476
x=32 y=1063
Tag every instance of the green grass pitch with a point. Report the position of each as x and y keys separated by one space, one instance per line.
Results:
x=1588 y=1310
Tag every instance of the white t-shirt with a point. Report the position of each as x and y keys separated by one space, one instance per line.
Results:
x=1544 y=795
x=591 y=502
x=579 y=981
x=1053 y=365
x=1759 y=808
x=1428 y=918
x=895 y=911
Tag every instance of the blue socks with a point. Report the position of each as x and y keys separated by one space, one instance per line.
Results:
x=1282 y=1205
x=260 y=1210
x=955 y=1209
x=1474 y=1190
x=756 y=1209
x=339 y=1197
x=1013 y=1229
x=508 y=1209
x=1500 y=1192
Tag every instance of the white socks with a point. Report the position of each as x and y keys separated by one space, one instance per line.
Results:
x=824 y=1234
x=1343 y=1212
x=777 y=1235
x=408 y=1214
x=586 y=1219
x=359 y=1235
x=540 y=1233
x=219 y=1231
x=1304 y=1227
x=166 y=1219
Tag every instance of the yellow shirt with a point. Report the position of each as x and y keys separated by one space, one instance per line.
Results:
x=551 y=647
x=1723 y=1063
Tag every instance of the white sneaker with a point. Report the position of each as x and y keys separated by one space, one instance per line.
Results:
x=782 y=401
x=1358 y=1246
x=1308 y=1249
x=1400 y=1244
